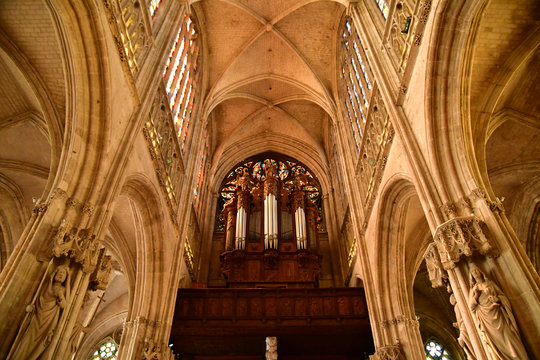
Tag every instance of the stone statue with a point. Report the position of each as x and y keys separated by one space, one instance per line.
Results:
x=44 y=317
x=494 y=318
x=271 y=348
x=463 y=339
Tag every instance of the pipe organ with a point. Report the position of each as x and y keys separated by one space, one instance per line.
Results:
x=271 y=218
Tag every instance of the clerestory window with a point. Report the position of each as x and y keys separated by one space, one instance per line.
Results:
x=357 y=81
x=181 y=78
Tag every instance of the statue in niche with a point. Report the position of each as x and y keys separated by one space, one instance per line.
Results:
x=44 y=314
x=271 y=348
x=494 y=317
x=463 y=339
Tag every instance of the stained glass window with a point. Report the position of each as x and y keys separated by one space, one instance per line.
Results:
x=107 y=351
x=153 y=7
x=383 y=7
x=436 y=351
x=357 y=81
x=181 y=79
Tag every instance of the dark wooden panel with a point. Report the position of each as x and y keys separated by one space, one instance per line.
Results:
x=230 y=322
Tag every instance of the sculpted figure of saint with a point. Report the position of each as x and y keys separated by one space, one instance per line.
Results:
x=46 y=314
x=494 y=317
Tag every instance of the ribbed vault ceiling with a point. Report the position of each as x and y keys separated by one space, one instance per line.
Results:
x=269 y=68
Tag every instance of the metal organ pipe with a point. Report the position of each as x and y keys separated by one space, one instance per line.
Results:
x=300 y=219
x=270 y=222
x=241 y=216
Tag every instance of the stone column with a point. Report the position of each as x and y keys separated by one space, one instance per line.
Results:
x=144 y=339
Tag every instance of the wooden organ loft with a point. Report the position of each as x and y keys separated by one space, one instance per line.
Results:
x=271 y=260
x=271 y=234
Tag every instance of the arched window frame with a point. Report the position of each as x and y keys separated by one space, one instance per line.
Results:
x=181 y=78
x=356 y=81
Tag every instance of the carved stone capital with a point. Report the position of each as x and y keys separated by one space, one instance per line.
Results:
x=461 y=237
x=389 y=352
x=151 y=350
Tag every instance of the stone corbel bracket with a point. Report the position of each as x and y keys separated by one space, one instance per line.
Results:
x=463 y=237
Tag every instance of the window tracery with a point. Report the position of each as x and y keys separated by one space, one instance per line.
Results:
x=181 y=79
x=436 y=351
x=108 y=350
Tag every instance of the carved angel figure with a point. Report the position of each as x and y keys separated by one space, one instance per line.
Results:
x=44 y=321
x=494 y=317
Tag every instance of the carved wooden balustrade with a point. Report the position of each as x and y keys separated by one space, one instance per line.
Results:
x=160 y=133
x=279 y=308
x=374 y=150
x=224 y=322
x=404 y=30
x=131 y=31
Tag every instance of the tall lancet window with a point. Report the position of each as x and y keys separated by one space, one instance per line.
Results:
x=181 y=78
x=356 y=81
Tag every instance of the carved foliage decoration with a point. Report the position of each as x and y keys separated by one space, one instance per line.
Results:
x=79 y=245
x=436 y=272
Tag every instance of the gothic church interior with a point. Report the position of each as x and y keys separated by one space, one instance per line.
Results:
x=251 y=179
